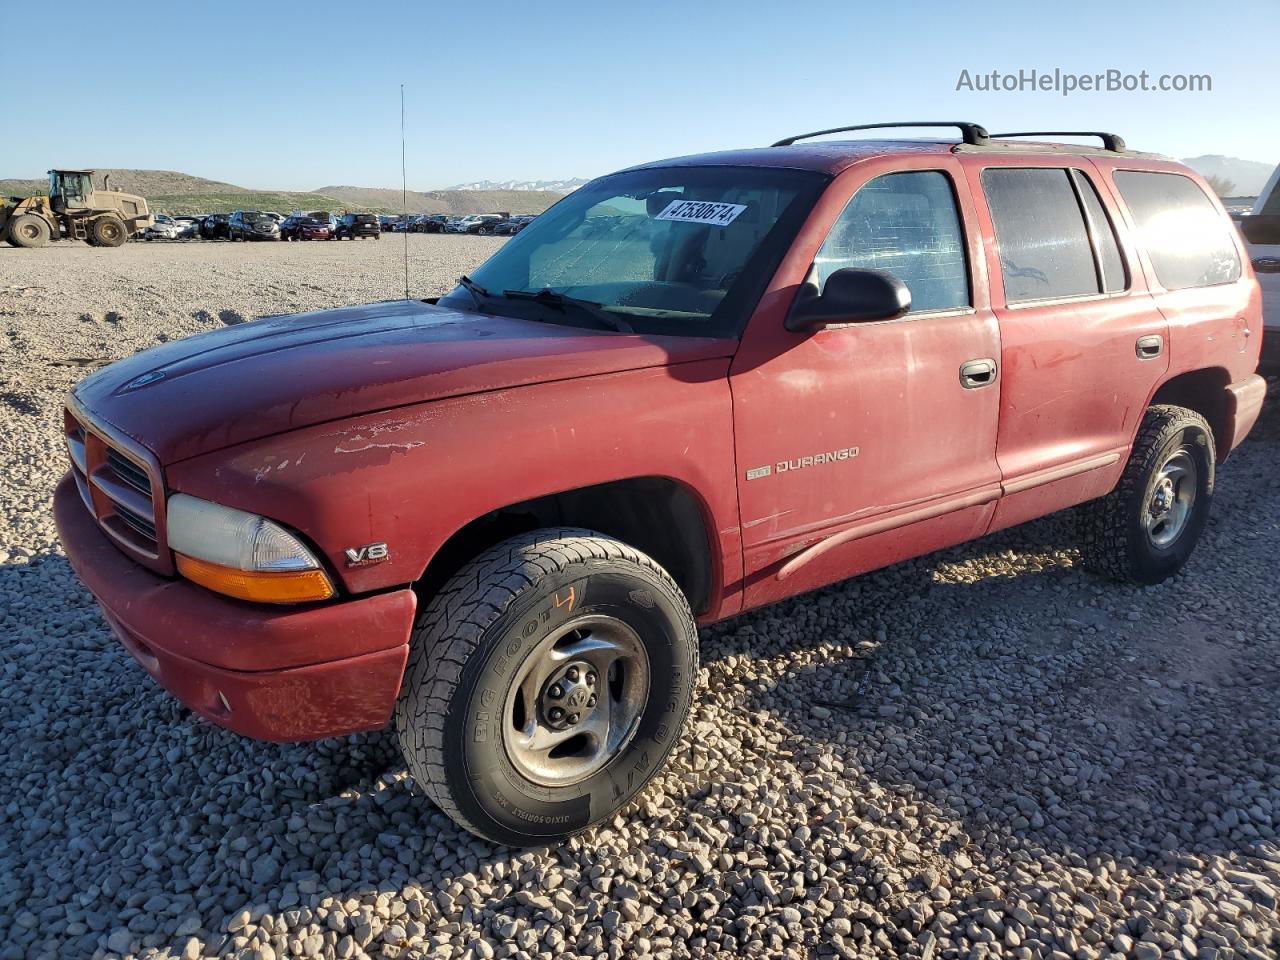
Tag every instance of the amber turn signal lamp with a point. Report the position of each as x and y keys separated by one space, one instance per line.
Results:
x=293 y=587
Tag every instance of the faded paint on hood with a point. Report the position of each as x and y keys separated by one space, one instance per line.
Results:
x=249 y=381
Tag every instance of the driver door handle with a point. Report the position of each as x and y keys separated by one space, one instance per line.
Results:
x=977 y=373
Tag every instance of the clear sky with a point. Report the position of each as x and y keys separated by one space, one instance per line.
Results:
x=292 y=95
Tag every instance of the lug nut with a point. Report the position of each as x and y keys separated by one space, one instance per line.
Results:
x=591 y=701
x=555 y=714
x=573 y=718
x=591 y=678
x=555 y=691
x=572 y=674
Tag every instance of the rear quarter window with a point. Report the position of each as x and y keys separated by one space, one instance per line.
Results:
x=1187 y=238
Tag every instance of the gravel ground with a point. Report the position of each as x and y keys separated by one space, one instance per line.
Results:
x=981 y=753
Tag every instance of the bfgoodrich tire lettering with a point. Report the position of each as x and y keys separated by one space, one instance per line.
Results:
x=469 y=645
x=1116 y=531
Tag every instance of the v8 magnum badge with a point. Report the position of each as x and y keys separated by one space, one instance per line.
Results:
x=370 y=553
x=800 y=463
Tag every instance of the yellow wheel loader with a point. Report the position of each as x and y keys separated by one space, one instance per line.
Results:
x=75 y=210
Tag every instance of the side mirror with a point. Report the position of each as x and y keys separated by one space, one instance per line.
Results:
x=1266 y=265
x=851 y=295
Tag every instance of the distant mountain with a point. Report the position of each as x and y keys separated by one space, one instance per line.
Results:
x=1249 y=176
x=455 y=202
x=557 y=186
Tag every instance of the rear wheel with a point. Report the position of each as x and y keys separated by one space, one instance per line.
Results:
x=547 y=682
x=1145 y=529
x=108 y=231
x=28 y=230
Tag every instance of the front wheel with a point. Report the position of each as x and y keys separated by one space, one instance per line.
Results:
x=108 y=231
x=28 y=230
x=547 y=682
x=1145 y=529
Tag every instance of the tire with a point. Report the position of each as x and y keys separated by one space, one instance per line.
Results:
x=108 y=231
x=1146 y=528
x=478 y=646
x=29 y=231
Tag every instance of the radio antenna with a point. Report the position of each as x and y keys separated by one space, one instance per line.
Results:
x=404 y=197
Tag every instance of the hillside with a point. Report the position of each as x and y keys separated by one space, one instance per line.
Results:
x=145 y=183
x=179 y=193
x=444 y=201
x=277 y=201
x=1249 y=176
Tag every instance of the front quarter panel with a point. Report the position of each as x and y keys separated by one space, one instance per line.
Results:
x=413 y=476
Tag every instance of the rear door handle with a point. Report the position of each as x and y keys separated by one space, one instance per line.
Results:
x=977 y=373
x=1148 y=348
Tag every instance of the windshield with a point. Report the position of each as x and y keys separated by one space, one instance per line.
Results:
x=678 y=250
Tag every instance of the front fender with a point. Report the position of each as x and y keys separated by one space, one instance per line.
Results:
x=412 y=476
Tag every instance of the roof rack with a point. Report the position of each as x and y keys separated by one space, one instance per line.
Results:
x=1110 y=141
x=972 y=133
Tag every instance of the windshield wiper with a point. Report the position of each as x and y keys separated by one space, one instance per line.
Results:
x=594 y=310
x=478 y=293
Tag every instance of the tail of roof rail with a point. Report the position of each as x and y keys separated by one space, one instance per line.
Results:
x=973 y=134
x=1110 y=141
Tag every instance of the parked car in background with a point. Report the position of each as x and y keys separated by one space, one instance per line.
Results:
x=325 y=217
x=358 y=226
x=164 y=228
x=386 y=223
x=480 y=223
x=188 y=227
x=301 y=227
x=403 y=225
x=277 y=217
x=252 y=225
x=511 y=226
x=214 y=227
x=434 y=222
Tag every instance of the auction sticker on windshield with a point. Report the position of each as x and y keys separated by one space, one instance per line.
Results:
x=702 y=211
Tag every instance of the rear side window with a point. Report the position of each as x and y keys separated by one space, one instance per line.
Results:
x=905 y=223
x=1045 y=251
x=1187 y=238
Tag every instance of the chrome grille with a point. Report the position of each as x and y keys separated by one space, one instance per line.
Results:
x=119 y=483
x=136 y=522
x=128 y=471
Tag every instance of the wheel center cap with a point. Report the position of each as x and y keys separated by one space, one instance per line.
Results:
x=570 y=695
x=1162 y=499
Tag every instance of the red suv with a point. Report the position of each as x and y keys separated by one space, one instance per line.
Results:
x=688 y=389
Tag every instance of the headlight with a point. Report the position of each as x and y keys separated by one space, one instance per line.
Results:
x=242 y=554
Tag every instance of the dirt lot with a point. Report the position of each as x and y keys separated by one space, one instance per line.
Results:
x=982 y=753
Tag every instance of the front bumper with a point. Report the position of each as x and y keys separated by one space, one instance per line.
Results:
x=271 y=673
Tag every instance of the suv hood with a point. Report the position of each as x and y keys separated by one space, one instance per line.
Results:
x=253 y=380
